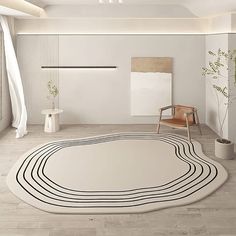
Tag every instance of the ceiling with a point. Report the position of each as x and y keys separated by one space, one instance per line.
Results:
x=11 y=12
x=200 y=8
x=19 y=8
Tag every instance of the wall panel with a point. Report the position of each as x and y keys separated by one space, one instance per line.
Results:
x=103 y=96
x=33 y=52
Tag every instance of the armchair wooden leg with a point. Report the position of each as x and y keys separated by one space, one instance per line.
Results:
x=189 y=136
x=188 y=129
x=158 y=128
x=198 y=123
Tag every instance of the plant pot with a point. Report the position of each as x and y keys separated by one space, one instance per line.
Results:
x=225 y=149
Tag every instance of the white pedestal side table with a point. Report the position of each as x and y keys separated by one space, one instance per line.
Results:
x=51 y=120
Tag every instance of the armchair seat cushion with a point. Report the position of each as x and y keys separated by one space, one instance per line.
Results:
x=175 y=122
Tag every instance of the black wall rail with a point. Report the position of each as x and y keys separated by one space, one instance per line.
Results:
x=79 y=67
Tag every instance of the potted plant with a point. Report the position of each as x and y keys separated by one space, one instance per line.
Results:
x=53 y=92
x=215 y=72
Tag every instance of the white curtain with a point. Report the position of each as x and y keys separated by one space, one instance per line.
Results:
x=15 y=83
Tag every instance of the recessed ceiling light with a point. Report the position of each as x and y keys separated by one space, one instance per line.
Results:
x=110 y=1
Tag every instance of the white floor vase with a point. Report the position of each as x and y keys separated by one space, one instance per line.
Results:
x=115 y=173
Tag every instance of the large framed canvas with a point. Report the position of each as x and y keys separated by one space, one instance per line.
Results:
x=151 y=85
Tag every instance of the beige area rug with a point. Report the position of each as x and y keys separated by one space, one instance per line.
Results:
x=115 y=173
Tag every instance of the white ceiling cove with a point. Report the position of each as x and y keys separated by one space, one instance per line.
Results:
x=201 y=8
x=11 y=12
x=78 y=2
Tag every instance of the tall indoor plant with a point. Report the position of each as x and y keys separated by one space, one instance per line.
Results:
x=219 y=74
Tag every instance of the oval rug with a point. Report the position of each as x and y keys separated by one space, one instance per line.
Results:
x=115 y=173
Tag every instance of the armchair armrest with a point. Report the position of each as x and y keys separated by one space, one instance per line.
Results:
x=163 y=109
x=167 y=107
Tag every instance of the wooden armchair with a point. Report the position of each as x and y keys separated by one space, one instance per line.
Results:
x=182 y=118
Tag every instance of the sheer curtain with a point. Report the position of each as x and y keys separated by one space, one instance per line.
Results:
x=15 y=83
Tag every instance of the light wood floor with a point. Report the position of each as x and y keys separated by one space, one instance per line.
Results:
x=214 y=215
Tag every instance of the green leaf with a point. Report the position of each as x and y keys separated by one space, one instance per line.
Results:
x=212 y=66
x=222 y=90
x=211 y=53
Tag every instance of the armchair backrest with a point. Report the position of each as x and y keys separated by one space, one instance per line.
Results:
x=179 y=111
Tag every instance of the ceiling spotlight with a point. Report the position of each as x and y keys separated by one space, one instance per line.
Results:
x=110 y=1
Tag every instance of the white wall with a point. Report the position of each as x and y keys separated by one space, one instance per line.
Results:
x=213 y=43
x=232 y=107
x=225 y=42
x=104 y=96
x=233 y=22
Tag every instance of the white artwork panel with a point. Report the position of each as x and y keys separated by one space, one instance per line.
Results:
x=149 y=92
